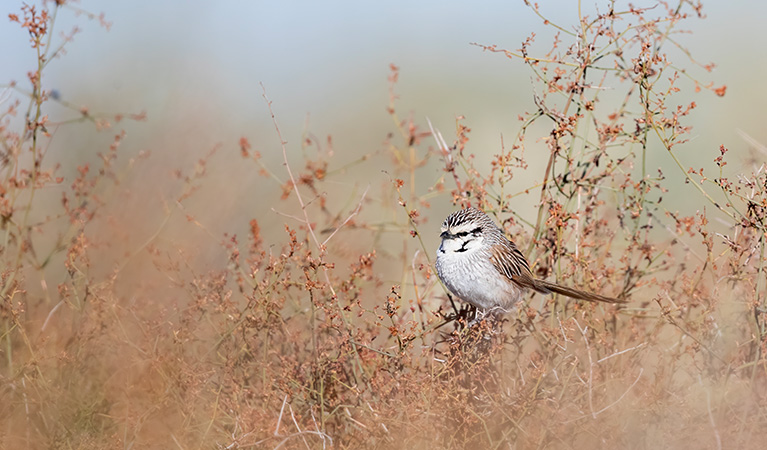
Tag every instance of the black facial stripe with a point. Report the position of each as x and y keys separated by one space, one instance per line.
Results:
x=463 y=246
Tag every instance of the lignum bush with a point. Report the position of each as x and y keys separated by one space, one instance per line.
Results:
x=303 y=338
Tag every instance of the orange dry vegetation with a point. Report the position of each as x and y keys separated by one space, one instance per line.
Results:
x=127 y=323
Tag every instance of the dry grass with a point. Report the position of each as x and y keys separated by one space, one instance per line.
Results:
x=300 y=339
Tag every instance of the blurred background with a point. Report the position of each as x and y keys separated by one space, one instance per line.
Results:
x=122 y=325
x=195 y=67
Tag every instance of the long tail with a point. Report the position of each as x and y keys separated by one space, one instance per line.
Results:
x=546 y=287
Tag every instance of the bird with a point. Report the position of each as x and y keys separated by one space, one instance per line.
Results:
x=480 y=265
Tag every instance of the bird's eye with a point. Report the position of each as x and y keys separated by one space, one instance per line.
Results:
x=461 y=234
x=477 y=231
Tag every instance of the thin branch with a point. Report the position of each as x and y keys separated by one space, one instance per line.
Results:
x=354 y=213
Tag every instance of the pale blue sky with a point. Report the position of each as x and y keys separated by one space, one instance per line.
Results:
x=195 y=67
x=317 y=57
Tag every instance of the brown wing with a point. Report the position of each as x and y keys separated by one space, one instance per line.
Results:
x=509 y=261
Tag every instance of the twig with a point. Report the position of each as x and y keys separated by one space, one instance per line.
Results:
x=591 y=367
x=324 y=436
x=302 y=433
x=418 y=299
x=295 y=422
x=279 y=419
x=354 y=213
x=440 y=142
x=283 y=144
x=310 y=229
x=641 y=370
x=50 y=314
x=711 y=416
x=289 y=216
x=753 y=142
x=622 y=352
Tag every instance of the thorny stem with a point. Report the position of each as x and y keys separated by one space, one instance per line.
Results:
x=34 y=127
x=359 y=372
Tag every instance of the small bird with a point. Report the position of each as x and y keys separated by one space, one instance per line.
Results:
x=479 y=265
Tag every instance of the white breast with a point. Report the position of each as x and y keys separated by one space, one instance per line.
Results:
x=472 y=277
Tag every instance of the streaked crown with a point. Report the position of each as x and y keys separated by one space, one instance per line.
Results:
x=466 y=221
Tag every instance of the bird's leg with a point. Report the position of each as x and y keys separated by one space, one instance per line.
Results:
x=474 y=315
x=450 y=297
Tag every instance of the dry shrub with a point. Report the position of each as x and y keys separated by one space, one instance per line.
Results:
x=335 y=332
